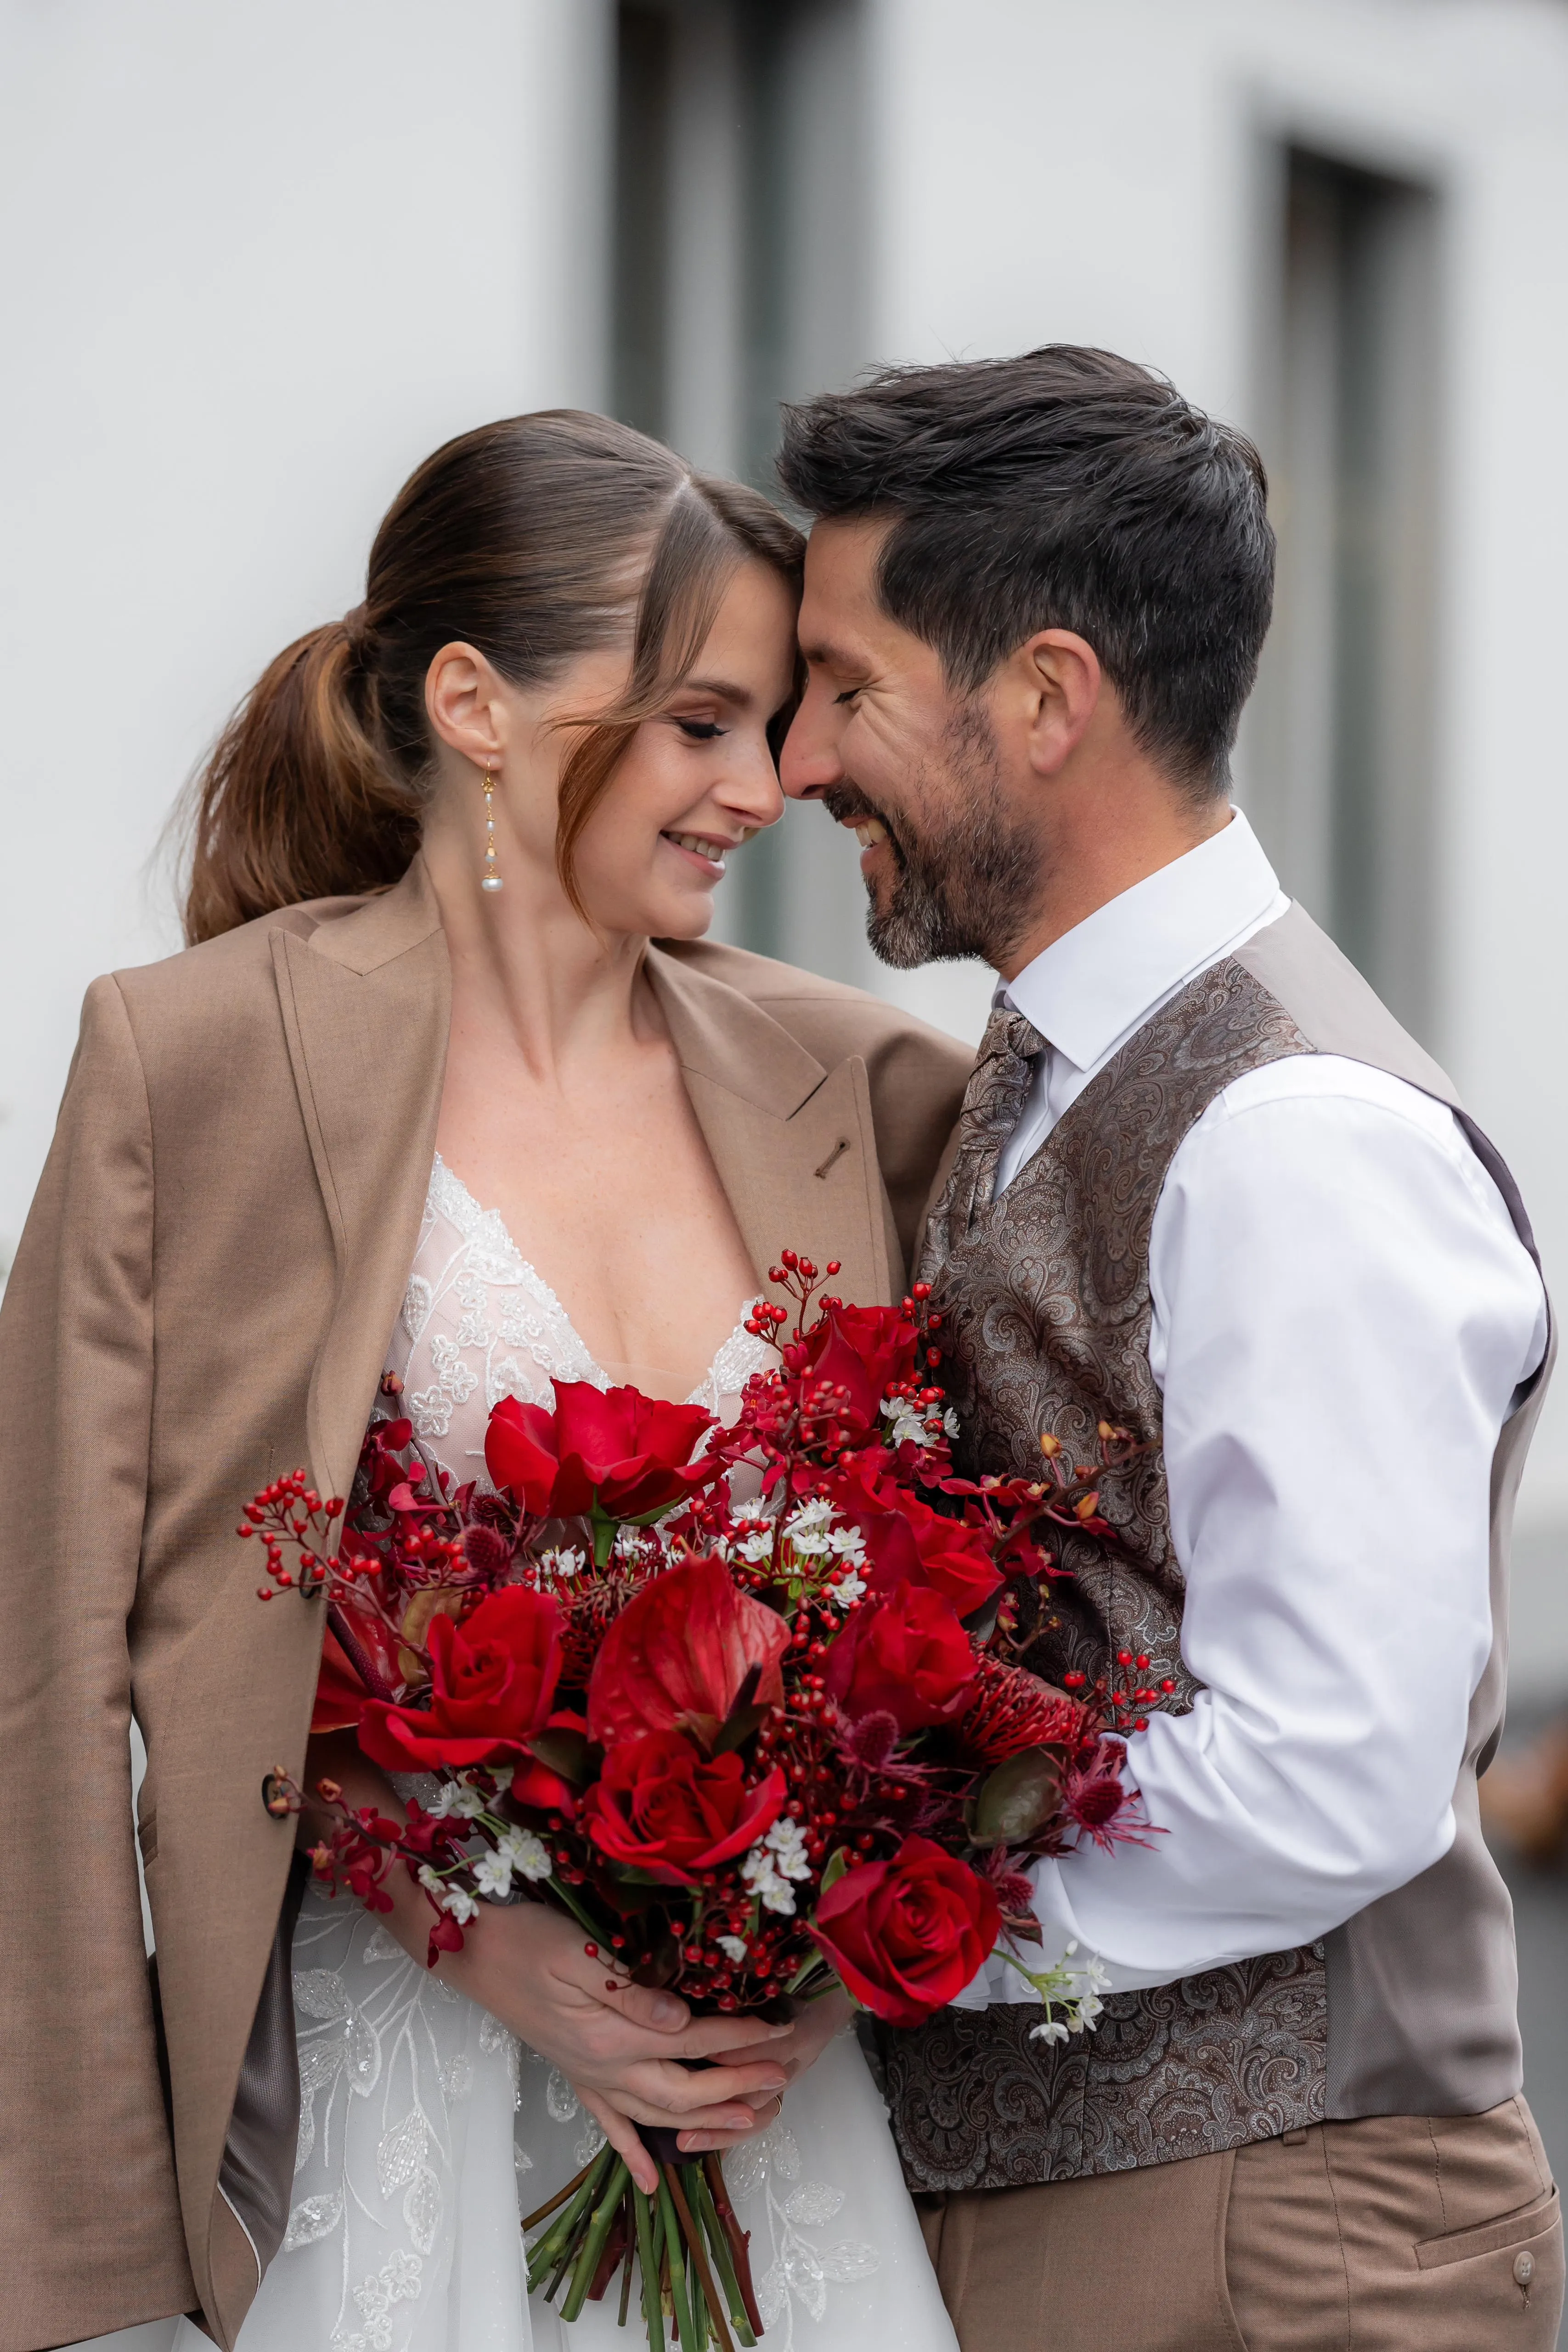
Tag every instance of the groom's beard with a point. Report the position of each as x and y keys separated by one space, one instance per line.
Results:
x=965 y=879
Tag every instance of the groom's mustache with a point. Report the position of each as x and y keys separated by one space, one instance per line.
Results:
x=847 y=805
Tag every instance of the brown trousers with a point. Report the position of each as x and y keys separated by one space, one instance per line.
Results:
x=1397 y=2233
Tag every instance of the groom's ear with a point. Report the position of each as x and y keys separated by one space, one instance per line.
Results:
x=1049 y=691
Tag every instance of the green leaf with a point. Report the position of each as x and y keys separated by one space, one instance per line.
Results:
x=565 y=1752
x=838 y=1863
x=1018 y=1798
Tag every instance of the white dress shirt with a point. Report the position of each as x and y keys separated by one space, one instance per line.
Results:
x=1343 y=1314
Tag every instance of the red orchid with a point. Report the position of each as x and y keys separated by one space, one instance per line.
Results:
x=614 y=1451
x=679 y=1655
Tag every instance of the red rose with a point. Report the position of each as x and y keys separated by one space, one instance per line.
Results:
x=866 y=1349
x=492 y=1682
x=610 y=1450
x=906 y=1654
x=677 y=1655
x=909 y=1543
x=662 y=1806
x=907 y=1935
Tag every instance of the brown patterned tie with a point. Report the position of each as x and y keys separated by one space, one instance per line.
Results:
x=993 y=1104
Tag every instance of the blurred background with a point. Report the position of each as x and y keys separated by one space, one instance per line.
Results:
x=258 y=260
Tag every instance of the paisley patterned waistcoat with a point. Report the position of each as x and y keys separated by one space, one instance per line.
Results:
x=1048 y=1313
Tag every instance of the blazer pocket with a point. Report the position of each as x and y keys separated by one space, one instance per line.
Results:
x=1532 y=2221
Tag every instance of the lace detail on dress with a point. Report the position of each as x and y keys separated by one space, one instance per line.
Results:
x=480 y=1323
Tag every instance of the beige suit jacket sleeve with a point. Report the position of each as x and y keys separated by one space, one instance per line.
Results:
x=82 y=2141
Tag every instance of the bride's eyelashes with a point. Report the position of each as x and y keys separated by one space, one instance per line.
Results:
x=701 y=730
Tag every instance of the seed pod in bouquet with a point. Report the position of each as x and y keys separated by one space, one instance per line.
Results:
x=1018 y=1798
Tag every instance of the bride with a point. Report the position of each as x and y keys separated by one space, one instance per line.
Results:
x=425 y=1075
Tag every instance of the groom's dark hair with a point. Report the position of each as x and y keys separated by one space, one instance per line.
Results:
x=1067 y=488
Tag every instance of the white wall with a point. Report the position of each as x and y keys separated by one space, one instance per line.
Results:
x=258 y=261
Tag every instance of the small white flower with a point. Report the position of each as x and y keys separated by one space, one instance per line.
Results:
x=756 y=1546
x=906 y=1424
x=493 y=1874
x=769 y=1867
x=524 y=1852
x=459 y=1902
x=807 y=1517
x=570 y=1562
x=848 y=1542
x=429 y=1880
x=1054 y=2030
x=455 y=1798
x=950 y=1423
x=734 y=1947
x=847 y=1591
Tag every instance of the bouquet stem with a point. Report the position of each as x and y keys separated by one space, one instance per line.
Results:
x=684 y=2241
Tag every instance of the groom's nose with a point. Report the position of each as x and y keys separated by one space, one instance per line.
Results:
x=810 y=763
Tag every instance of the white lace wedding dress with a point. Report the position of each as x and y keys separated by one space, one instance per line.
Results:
x=424 y=2127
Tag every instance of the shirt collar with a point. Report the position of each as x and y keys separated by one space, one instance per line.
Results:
x=1090 y=987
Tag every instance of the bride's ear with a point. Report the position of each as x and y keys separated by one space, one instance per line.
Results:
x=465 y=705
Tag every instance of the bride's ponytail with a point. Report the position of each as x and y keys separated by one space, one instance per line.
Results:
x=533 y=540
x=296 y=800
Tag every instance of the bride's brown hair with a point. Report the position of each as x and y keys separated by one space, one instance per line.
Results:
x=533 y=540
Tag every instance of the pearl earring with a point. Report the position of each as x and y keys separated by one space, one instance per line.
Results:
x=489 y=879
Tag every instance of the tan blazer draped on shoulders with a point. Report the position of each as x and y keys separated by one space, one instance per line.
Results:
x=201 y=1299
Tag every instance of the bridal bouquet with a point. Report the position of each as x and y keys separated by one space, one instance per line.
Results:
x=756 y=1747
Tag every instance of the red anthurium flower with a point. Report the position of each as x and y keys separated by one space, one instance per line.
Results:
x=866 y=1349
x=909 y=1543
x=906 y=1655
x=677 y=1655
x=492 y=1683
x=614 y=1450
x=664 y=1807
x=905 y=1936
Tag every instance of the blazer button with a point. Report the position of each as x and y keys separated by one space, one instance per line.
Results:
x=1524 y=2268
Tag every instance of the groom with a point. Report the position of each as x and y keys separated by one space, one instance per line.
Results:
x=1205 y=1189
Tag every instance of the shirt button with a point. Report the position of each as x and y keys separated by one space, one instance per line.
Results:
x=1524 y=2268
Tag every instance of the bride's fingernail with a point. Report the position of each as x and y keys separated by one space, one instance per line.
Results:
x=667 y=2011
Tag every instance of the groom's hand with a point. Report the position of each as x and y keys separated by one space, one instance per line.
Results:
x=801 y=2047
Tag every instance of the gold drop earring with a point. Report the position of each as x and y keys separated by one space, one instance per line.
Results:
x=489 y=879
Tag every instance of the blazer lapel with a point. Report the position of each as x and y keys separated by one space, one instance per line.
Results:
x=792 y=1142
x=366 y=1007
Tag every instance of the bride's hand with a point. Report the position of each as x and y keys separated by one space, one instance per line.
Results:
x=530 y=1966
x=801 y=2047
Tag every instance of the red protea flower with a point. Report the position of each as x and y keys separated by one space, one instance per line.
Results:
x=1011 y=1709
